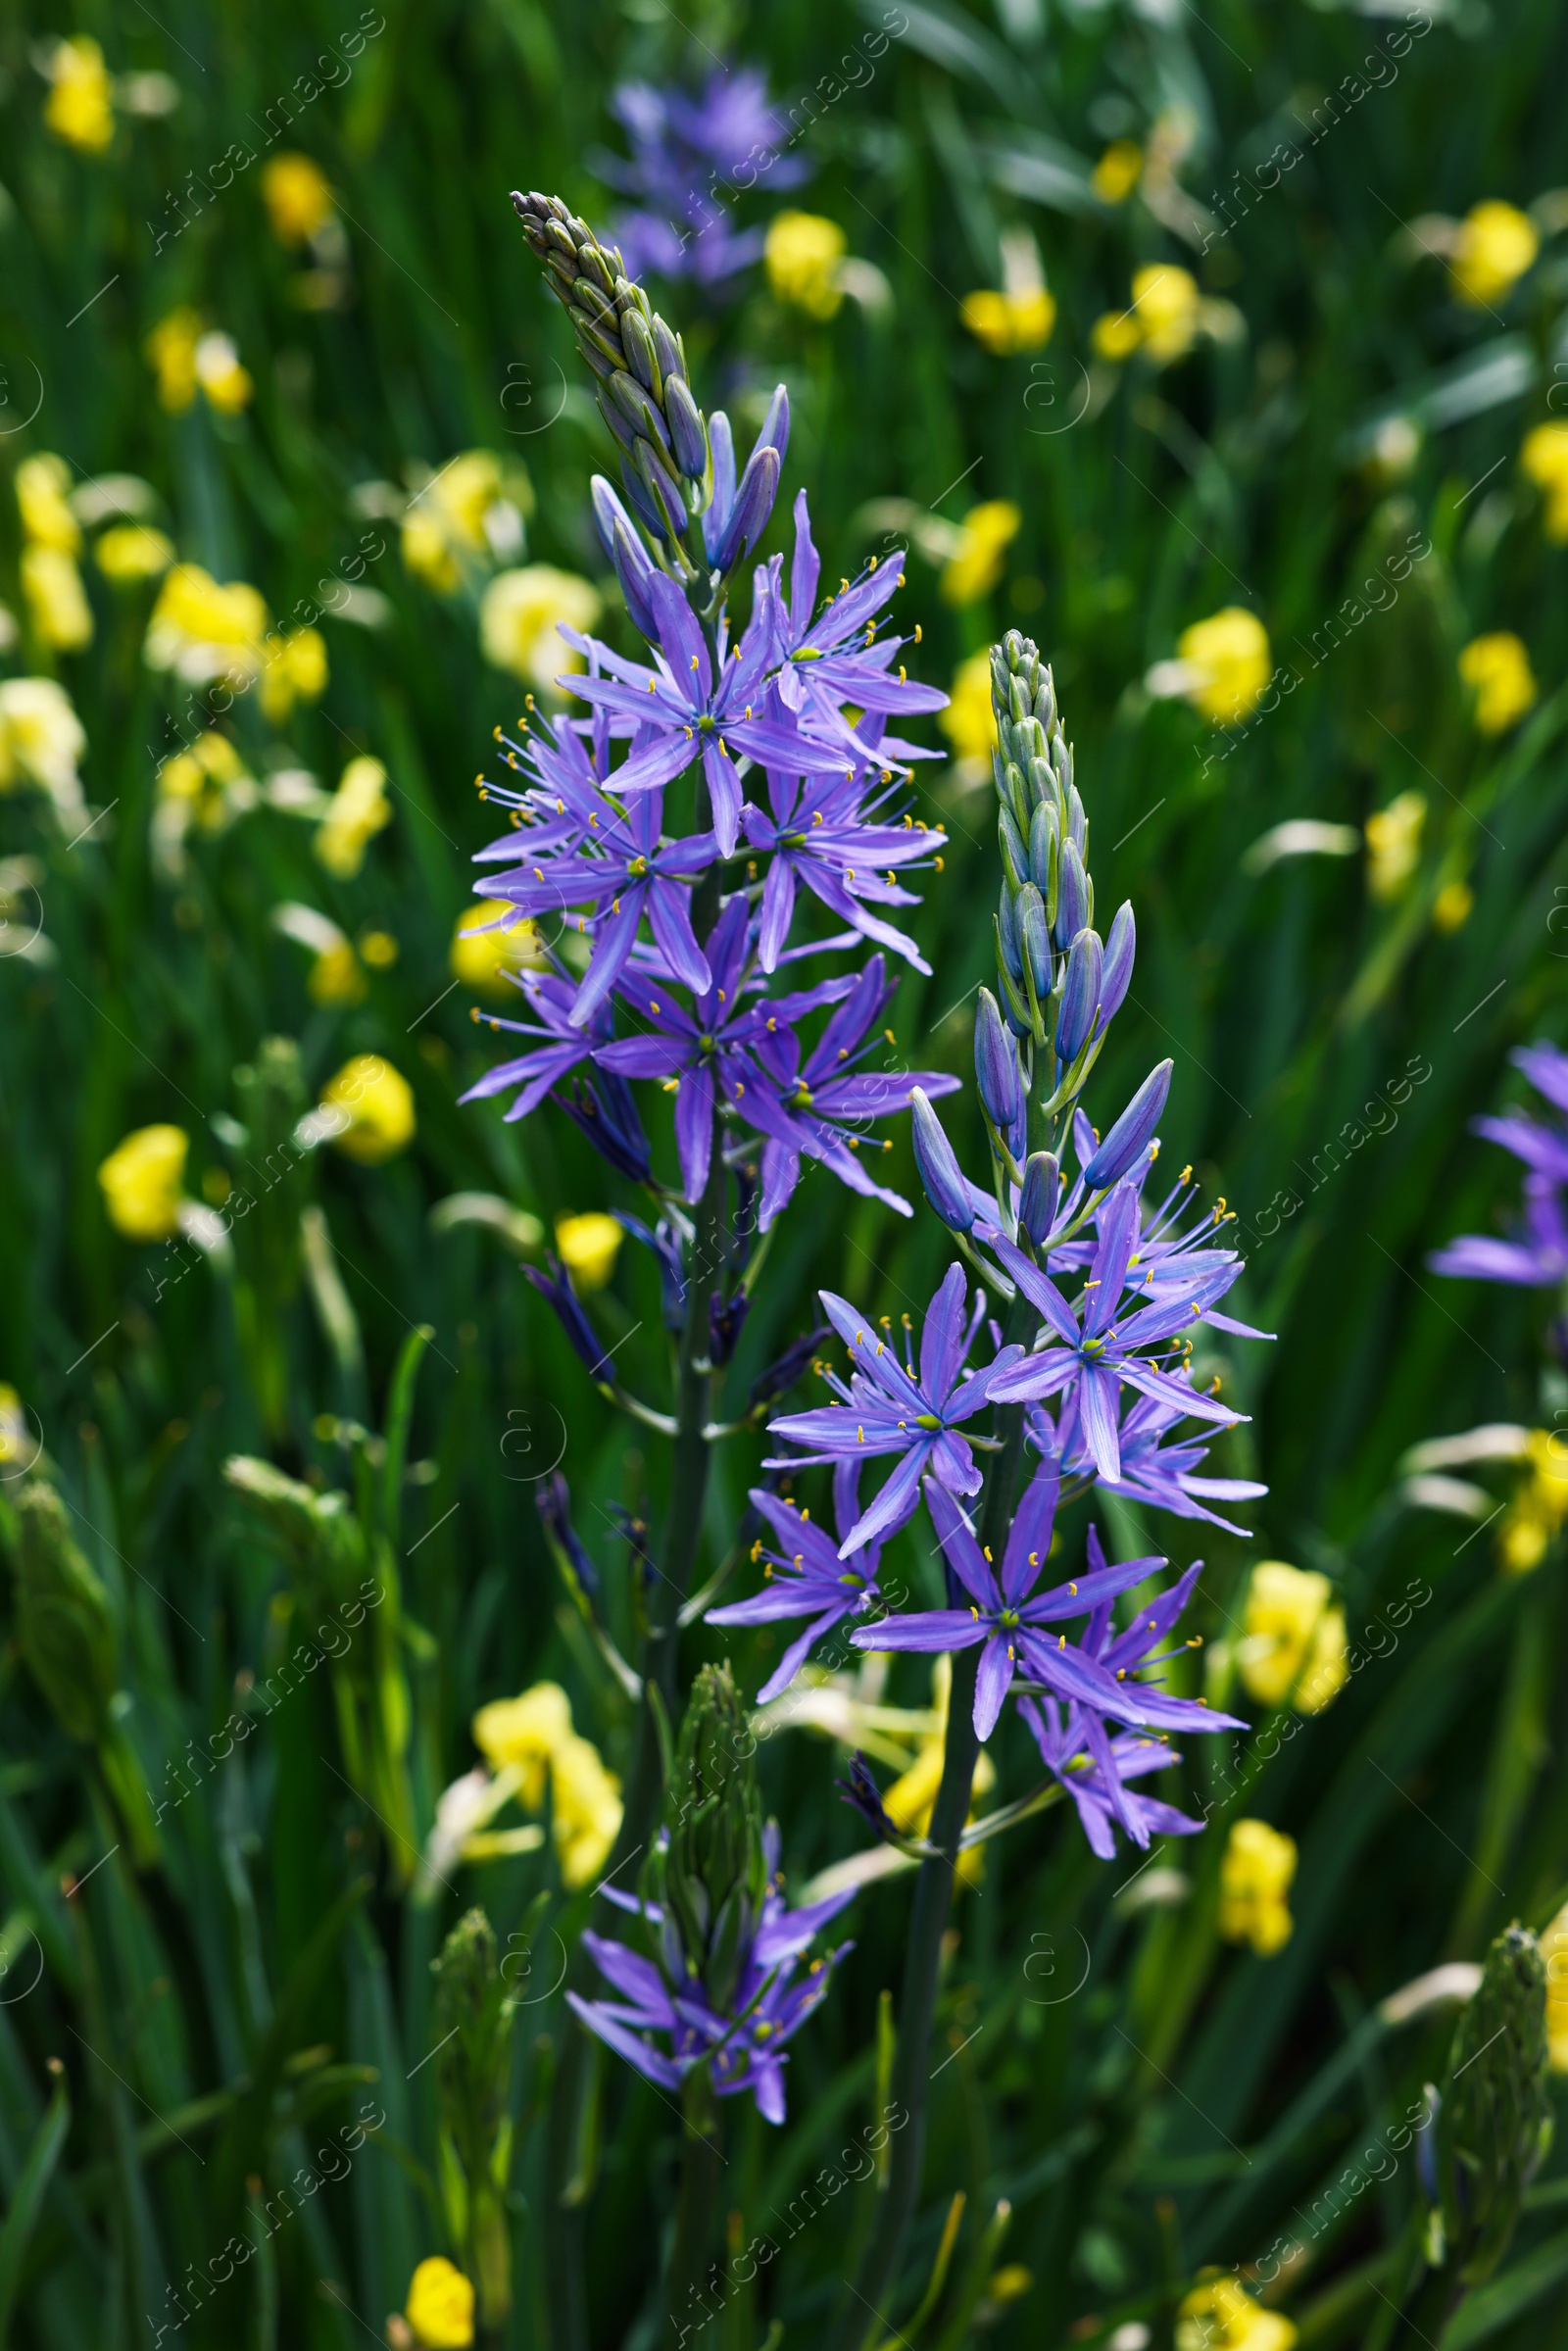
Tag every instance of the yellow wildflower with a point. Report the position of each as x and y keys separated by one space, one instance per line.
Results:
x=1495 y=244
x=132 y=552
x=446 y=519
x=1118 y=171
x=80 y=108
x=226 y=384
x=976 y=565
x=208 y=785
x=1021 y=316
x=1007 y=323
x=379 y=950
x=1539 y=1507
x=172 y=349
x=1452 y=907
x=1163 y=318
x=42 y=738
x=525 y=1732
x=1554 y=1951
x=804 y=253
x=520 y=616
x=141 y=1182
x=358 y=812
x=380 y=1104
x=1229 y=660
x=62 y=617
x=1394 y=844
x=1292 y=1643
x=1254 y=1880
x=1219 y=2314
x=42 y=484
x=1545 y=459
x=202 y=630
x=440 y=2306
x=969 y=721
x=335 y=978
x=589 y=1245
x=532 y=1737
x=297 y=197
x=295 y=671
x=1496 y=669
x=482 y=957
x=14 y=1439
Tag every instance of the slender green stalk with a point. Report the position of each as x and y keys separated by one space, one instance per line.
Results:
x=699 y=2162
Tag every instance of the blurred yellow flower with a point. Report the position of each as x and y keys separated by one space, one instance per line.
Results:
x=42 y=738
x=1292 y=1641
x=202 y=630
x=1228 y=655
x=524 y=1733
x=482 y=957
x=379 y=950
x=969 y=721
x=225 y=382
x=297 y=197
x=208 y=785
x=446 y=519
x=15 y=1441
x=976 y=565
x=80 y=108
x=440 y=2306
x=1254 y=1880
x=335 y=978
x=1164 y=318
x=519 y=616
x=62 y=617
x=295 y=671
x=1554 y=1951
x=1496 y=669
x=132 y=552
x=1452 y=907
x=42 y=486
x=141 y=1182
x=172 y=349
x=530 y=1736
x=1495 y=244
x=803 y=253
x=1539 y=1506
x=1545 y=459
x=1007 y=323
x=1021 y=316
x=1394 y=844
x=589 y=1245
x=380 y=1104
x=1219 y=2314
x=1118 y=171
x=358 y=813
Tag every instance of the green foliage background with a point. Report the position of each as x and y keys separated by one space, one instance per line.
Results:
x=214 y=2010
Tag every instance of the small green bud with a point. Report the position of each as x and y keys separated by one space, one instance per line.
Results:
x=64 y=1621
x=1496 y=2119
x=714 y=1873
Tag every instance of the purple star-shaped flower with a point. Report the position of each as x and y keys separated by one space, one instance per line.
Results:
x=1098 y=1354
x=1537 y=1257
x=1013 y=1623
x=688 y=712
x=805 y=1576
x=563 y=1044
x=816 y=1102
x=831 y=658
x=745 y=2044
x=822 y=832
x=890 y=1407
x=1156 y=1467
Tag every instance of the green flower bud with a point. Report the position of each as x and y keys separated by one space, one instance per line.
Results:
x=714 y=1873
x=64 y=1622
x=1496 y=2119
x=473 y=2029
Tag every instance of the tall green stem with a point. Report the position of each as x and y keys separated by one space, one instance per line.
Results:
x=864 y=2311
x=700 y=2160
